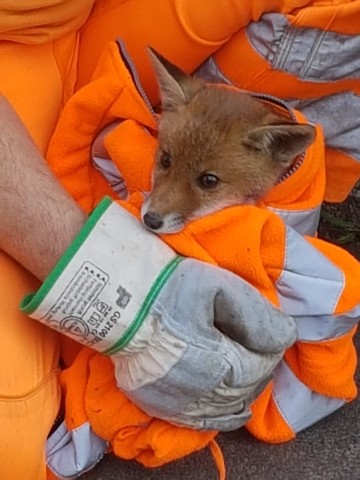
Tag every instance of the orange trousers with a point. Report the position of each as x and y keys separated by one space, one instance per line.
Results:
x=29 y=353
x=29 y=390
x=37 y=79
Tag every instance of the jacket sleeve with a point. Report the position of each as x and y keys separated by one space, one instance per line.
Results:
x=317 y=286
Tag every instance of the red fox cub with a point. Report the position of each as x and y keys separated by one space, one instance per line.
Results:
x=218 y=147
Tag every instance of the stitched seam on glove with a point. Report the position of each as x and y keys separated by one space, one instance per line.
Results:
x=143 y=312
x=32 y=301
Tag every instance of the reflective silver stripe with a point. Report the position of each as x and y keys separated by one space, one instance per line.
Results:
x=112 y=175
x=309 y=289
x=71 y=453
x=339 y=115
x=310 y=284
x=303 y=221
x=309 y=53
x=324 y=327
x=300 y=406
x=210 y=72
x=102 y=162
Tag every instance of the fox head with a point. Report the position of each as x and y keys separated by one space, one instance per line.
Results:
x=217 y=147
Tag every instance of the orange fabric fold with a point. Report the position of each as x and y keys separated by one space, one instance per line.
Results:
x=111 y=95
x=326 y=367
x=266 y=418
x=41 y=23
x=92 y=396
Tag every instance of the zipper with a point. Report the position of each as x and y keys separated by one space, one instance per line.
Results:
x=281 y=103
x=134 y=75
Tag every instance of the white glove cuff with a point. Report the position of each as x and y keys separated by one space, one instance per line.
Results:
x=102 y=289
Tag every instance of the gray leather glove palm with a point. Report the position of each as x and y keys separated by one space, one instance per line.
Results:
x=191 y=343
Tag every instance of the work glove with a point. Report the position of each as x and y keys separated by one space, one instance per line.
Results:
x=191 y=343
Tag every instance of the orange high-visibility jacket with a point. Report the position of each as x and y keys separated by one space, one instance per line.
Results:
x=301 y=50
x=306 y=52
x=314 y=281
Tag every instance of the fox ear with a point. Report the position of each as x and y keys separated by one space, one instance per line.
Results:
x=282 y=142
x=176 y=87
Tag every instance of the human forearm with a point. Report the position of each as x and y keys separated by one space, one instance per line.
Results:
x=38 y=219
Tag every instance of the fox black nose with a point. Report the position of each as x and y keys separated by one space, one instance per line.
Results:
x=153 y=220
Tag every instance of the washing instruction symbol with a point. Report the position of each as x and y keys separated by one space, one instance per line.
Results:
x=124 y=297
x=101 y=307
x=75 y=325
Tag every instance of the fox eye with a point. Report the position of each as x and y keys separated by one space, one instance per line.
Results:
x=165 y=160
x=208 y=180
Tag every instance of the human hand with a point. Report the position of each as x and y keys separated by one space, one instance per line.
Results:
x=191 y=343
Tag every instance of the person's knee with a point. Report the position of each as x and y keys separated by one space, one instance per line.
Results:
x=29 y=353
x=25 y=424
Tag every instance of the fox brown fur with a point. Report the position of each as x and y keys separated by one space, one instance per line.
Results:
x=218 y=147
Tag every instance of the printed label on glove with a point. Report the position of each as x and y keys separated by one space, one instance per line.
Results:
x=86 y=316
x=102 y=290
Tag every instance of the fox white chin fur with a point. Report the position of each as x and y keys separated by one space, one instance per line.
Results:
x=174 y=222
x=217 y=147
